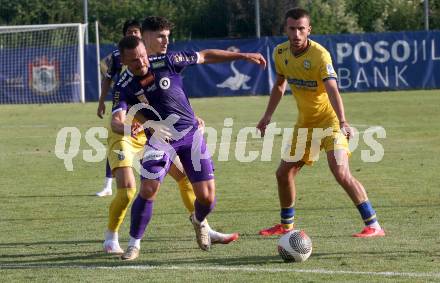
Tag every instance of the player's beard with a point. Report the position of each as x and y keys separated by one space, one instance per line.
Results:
x=298 y=45
x=141 y=71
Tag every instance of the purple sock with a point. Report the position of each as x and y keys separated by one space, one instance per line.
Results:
x=108 y=171
x=202 y=210
x=141 y=213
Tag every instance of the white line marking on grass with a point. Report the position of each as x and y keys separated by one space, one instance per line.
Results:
x=228 y=269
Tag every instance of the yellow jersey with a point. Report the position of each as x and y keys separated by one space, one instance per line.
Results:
x=306 y=74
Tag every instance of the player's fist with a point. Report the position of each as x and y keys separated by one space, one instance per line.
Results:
x=136 y=128
x=262 y=124
x=101 y=110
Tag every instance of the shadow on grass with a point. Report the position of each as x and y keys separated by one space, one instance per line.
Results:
x=95 y=241
x=47 y=196
x=83 y=261
x=49 y=243
x=77 y=258
x=55 y=218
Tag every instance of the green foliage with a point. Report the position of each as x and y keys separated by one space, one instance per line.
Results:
x=404 y=15
x=434 y=20
x=370 y=14
x=24 y=12
x=199 y=19
x=330 y=15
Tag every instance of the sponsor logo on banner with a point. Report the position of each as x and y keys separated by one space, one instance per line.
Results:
x=44 y=75
x=238 y=80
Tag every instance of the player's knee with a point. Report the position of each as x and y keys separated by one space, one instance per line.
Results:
x=206 y=197
x=282 y=174
x=124 y=177
x=149 y=192
x=342 y=175
x=207 y=200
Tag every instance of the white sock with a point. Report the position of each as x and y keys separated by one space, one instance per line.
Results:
x=134 y=242
x=111 y=236
x=194 y=218
x=108 y=183
x=375 y=225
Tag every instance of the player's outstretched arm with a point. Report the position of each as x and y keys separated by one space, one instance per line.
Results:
x=210 y=56
x=275 y=96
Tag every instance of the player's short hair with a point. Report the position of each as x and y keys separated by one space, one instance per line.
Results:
x=130 y=23
x=155 y=23
x=128 y=43
x=296 y=14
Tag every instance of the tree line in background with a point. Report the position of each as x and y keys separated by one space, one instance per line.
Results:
x=202 y=19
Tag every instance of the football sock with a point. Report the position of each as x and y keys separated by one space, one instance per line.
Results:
x=111 y=236
x=108 y=170
x=108 y=183
x=118 y=207
x=201 y=210
x=141 y=213
x=134 y=242
x=287 y=217
x=187 y=194
x=368 y=214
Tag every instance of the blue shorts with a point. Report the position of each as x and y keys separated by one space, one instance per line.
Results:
x=193 y=154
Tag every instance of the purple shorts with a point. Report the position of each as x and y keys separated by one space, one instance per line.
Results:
x=193 y=154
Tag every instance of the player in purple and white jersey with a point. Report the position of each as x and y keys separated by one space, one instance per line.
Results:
x=114 y=69
x=120 y=160
x=159 y=96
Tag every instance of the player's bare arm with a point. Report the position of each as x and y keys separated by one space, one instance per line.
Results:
x=335 y=98
x=275 y=97
x=105 y=87
x=117 y=123
x=210 y=56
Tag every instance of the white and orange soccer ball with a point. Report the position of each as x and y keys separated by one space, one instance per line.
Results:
x=295 y=246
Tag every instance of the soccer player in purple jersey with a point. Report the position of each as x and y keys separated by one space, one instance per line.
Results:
x=155 y=86
x=155 y=33
x=121 y=152
x=114 y=69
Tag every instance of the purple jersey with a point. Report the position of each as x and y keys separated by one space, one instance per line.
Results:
x=161 y=88
x=114 y=66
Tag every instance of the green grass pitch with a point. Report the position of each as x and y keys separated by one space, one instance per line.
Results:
x=52 y=226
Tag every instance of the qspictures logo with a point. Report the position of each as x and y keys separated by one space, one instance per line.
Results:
x=220 y=142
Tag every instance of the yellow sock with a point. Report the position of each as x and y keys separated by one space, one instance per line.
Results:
x=119 y=206
x=288 y=226
x=187 y=194
x=287 y=217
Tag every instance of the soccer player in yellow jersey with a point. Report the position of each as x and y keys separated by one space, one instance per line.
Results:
x=321 y=124
x=121 y=154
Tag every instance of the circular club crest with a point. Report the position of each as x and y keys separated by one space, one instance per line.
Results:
x=164 y=83
x=307 y=64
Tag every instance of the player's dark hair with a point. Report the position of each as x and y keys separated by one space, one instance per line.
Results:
x=296 y=14
x=130 y=23
x=154 y=23
x=128 y=43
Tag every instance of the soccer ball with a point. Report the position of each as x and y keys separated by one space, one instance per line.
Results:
x=295 y=246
